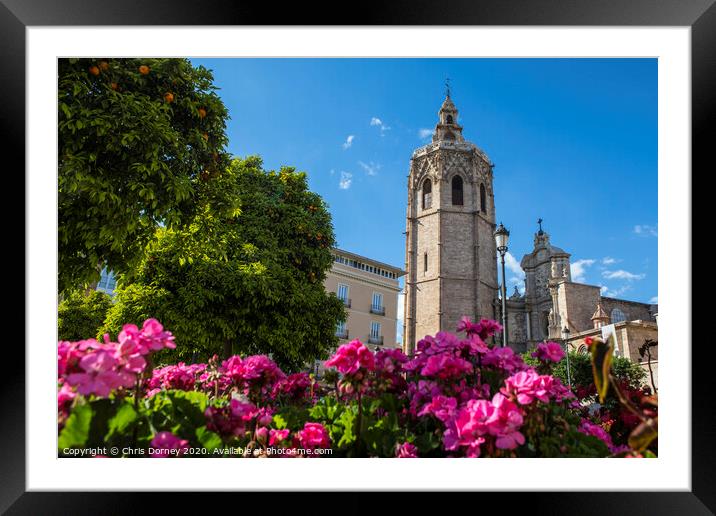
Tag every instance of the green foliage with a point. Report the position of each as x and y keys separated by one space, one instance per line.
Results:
x=122 y=422
x=81 y=314
x=580 y=366
x=135 y=152
x=247 y=271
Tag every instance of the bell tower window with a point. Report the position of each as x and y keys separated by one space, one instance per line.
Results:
x=449 y=119
x=427 y=194
x=457 y=191
x=483 y=203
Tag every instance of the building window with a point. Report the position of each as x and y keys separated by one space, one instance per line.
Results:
x=425 y=262
x=427 y=194
x=582 y=350
x=483 y=201
x=449 y=119
x=375 y=336
x=107 y=282
x=618 y=316
x=376 y=306
x=343 y=294
x=457 y=191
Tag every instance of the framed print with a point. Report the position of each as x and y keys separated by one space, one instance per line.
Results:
x=452 y=232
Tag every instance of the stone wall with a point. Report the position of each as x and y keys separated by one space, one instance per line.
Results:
x=577 y=304
x=632 y=310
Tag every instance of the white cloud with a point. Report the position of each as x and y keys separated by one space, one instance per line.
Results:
x=654 y=300
x=608 y=260
x=375 y=121
x=512 y=265
x=370 y=168
x=645 y=230
x=424 y=133
x=348 y=142
x=622 y=274
x=579 y=268
x=346 y=180
x=607 y=292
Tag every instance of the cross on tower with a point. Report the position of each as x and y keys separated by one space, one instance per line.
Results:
x=447 y=87
x=539 y=221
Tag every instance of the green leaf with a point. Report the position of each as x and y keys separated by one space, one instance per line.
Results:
x=77 y=427
x=122 y=421
x=208 y=439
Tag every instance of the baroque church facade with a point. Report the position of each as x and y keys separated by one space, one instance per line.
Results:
x=451 y=258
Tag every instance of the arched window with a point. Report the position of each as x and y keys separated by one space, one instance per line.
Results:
x=427 y=194
x=449 y=119
x=449 y=135
x=483 y=202
x=582 y=350
x=457 y=190
x=618 y=316
x=425 y=262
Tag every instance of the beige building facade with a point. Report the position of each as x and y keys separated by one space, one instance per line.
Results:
x=369 y=289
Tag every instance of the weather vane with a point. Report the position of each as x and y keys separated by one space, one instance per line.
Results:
x=539 y=221
x=447 y=87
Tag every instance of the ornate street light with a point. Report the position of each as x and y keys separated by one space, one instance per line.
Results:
x=502 y=236
x=565 y=338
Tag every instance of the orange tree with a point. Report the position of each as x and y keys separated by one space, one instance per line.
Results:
x=245 y=276
x=137 y=139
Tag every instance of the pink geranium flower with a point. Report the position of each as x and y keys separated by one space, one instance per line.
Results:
x=549 y=352
x=165 y=441
x=406 y=451
x=314 y=435
x=352 y=357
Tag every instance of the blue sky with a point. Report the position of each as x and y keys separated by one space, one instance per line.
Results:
x=574 y=141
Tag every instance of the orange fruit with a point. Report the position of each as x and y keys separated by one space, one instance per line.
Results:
x=205 y=136
x=144 y=69
x=104 y=65
x=94 y=70
x=169 y=97
x=114 y=86
x=202 y=112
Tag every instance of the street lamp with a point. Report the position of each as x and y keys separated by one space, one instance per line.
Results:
x=502 y=235
x=565 y=337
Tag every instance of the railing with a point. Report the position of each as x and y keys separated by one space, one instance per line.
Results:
x=380 y=310
x=375 y=340
x=346 y=302
x=343 y=334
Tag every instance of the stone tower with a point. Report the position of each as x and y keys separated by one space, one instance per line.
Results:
x=450 y=253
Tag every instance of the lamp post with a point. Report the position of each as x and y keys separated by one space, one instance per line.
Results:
x=502 y=235
x=565 y=336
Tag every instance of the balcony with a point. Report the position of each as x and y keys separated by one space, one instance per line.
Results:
x=378 y=341
x=380 y=310
x=342 y=334
x=346 y=302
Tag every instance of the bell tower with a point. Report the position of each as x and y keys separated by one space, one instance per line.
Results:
x=450 y=253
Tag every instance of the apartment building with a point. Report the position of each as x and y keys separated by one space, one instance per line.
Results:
x=369 y=289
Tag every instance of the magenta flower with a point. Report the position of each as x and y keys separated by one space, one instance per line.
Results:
x=507 y=424
x=441 y=407
x=406 y=451
x=151 y=337
x=277 y=436
x=100 y=377
x=314 y=435
x=165 y=441
x=589 y=428
x=446 y=366
x=549 y=352
x=350 y=358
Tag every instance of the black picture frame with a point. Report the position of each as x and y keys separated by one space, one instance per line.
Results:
x=700 y=15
